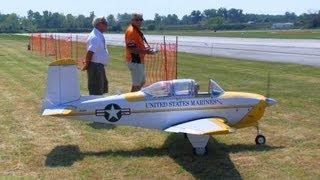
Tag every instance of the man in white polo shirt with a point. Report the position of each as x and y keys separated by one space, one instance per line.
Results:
x=96 y=58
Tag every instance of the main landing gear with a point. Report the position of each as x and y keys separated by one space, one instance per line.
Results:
x=260 y=139
x=199 y=143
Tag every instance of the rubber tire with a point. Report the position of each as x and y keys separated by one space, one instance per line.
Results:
x=260 y=140
x=200 y=151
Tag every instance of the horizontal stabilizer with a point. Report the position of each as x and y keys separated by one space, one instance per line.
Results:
x=57 y=112
x=208 y=126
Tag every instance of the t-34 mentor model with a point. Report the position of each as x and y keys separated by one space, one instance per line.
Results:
x=172 y=106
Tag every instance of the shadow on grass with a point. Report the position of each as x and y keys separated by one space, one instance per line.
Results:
x=217 y=164
x=101 y=126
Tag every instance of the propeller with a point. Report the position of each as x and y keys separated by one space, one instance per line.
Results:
x=268 y=85
x=269 y=100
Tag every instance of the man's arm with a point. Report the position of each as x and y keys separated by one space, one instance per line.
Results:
x=133 y=48
x=88 y=60
x=136 y=50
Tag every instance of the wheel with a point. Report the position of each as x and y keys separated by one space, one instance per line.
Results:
x=260 y=140
x=200 y=151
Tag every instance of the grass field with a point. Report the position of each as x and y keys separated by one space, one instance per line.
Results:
x=54 y=148
x=278 y=34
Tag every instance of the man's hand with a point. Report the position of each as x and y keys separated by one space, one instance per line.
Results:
x=85 y=65
x=87 y=61
x=152 y=51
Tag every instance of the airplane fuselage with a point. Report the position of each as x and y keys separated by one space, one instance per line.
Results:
x=134 y=109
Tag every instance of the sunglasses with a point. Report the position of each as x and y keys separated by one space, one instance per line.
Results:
x=138 y=19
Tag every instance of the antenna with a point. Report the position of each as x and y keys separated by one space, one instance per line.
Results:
x=268 y=85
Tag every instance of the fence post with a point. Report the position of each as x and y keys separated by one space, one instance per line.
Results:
x=56 y=46
x=31 y=42
x=45 y=45
x=40 y=43
x=76 y=48
x=71 y=46
x=59 y=47
x=165 y=56
x=177 y=57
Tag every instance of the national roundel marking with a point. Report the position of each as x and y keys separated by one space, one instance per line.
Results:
x=112 y=112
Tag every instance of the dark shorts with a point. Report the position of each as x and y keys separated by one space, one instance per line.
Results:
x=97 y=80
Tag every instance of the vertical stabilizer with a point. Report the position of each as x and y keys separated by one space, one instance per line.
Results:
x=62 y=83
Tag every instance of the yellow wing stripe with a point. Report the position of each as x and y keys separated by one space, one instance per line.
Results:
x=58 y=113
x=225 y=129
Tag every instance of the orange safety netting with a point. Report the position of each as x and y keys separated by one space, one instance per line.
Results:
x=161 y=66
x=158 y=67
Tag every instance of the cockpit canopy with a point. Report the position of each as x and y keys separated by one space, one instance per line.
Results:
x=214 y=88
x=179 y=88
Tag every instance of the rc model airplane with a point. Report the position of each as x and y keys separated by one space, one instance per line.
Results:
x=172 y=106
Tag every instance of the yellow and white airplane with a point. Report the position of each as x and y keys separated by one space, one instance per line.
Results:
x=172 y=106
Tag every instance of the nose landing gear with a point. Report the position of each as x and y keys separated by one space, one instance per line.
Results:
x=260 y=139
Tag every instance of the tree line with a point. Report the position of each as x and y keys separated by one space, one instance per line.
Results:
x=213 y=19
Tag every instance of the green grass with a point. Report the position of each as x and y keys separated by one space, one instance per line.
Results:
x=38 y=147
x=279 y=34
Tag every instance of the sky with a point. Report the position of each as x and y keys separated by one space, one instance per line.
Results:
x=162 y=7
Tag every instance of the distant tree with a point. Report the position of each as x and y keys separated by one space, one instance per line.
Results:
x=10 y=23
x=221 y=18
x=171 y=19
x=158 y=19
x=46 y=19
x=111 y=20
x=186 y=20
x=290 y=16
x=124 y=19
x=30 y=15
x=27 y=25
x=235 y=15
x=196 y=17
x=223 y=12
x=210 y=13
x=70 y=22
x=215 y=21
x=81 y=21
x=37 y=19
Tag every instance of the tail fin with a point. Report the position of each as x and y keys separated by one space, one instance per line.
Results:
x=62 y=83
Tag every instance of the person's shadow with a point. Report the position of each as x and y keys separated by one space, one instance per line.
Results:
x=216 y=164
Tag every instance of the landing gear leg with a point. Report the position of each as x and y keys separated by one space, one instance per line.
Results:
x=199 y=143
x=260 y=139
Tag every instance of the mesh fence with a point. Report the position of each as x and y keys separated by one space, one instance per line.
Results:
x=161 y=66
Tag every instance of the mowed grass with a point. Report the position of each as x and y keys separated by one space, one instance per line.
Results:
x=56 y=148
x=278 y=34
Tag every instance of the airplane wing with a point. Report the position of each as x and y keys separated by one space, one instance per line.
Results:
x=57 y=112
x=208 y=126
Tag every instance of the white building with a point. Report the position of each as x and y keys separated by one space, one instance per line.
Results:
x=282 y=26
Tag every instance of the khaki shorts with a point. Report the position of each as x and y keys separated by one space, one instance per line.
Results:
x=138 y=77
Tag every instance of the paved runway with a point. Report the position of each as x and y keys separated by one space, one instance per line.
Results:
x=279 y=50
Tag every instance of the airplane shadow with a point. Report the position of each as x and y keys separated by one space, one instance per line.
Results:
x=96 y=125
x=216 y=164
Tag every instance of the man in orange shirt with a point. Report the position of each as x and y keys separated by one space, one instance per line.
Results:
x=136 y=48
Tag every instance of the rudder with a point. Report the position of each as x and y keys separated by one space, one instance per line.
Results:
x=62 y=83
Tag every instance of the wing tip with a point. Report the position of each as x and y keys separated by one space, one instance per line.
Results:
x=56 y=112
